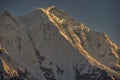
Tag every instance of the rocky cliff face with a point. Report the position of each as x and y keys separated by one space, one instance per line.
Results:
x=47 y=44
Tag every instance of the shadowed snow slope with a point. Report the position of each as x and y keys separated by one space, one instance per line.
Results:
x=47 y=44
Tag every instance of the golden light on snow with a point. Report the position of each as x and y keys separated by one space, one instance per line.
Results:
x=50 y=38
x=9 y=70
x=75 y=41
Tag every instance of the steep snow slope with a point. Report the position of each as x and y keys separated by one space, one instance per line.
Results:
x=14 y=39
x=47 y=44
x=96 y=47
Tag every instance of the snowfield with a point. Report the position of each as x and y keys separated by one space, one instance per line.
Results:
x=48 y=44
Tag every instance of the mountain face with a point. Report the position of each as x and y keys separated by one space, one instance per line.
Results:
x=48 y=44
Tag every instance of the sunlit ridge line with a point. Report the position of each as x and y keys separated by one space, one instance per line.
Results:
x=91 y=60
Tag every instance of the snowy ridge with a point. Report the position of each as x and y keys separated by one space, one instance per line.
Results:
x=47 y=44
x=67 y=32
x=14 y=39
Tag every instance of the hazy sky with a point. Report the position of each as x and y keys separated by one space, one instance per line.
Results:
x=98 y=15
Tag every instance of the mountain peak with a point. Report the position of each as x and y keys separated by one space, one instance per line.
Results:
x=49 y=8
x=6 y=13
x=82 y=38
x=53 y=45
x=55 y=10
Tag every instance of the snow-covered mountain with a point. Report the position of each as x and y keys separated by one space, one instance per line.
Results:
x=48 y=44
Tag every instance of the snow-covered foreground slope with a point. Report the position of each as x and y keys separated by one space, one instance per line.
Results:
x=47 y=44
